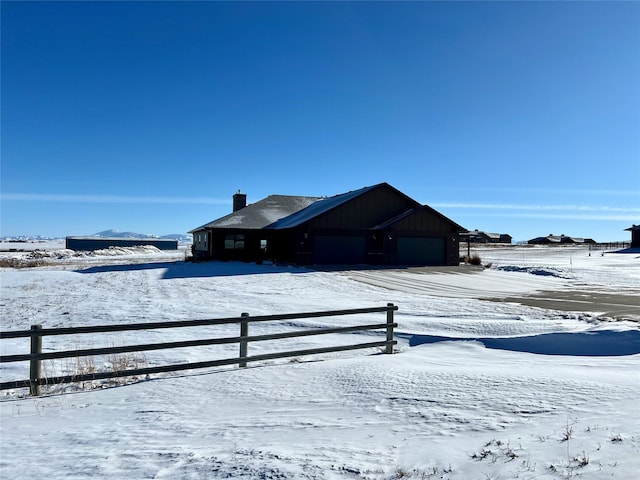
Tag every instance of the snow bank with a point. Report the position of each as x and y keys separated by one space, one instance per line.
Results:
x=64 y=256
x=534 y=270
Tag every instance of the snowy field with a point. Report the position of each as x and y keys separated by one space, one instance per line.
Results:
x=464 y=396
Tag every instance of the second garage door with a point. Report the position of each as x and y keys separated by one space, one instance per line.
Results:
x=421 y=251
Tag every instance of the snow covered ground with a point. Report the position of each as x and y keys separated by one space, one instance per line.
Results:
x=463 y=397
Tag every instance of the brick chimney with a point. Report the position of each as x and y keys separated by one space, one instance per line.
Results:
x=239 y=201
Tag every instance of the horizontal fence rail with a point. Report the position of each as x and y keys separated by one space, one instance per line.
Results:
x=36 y=333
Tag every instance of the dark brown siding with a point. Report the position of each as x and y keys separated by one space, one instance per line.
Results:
x=424 y=220
x=365 y=211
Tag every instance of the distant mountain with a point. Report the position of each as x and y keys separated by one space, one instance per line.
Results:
x=181 y=237
x=27 y=238
x=118 y=234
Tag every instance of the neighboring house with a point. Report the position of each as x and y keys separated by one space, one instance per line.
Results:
x=635 y=235
x=99 y=243
x=376 y=225
x=544 y=240
x=505 y=238
x=476 y=236
x=558 y=239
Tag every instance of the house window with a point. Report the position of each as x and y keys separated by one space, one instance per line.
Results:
x=234 y=242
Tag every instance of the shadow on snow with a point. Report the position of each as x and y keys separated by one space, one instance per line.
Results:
x=589 y=344
x=196 y=270
x=181 y=269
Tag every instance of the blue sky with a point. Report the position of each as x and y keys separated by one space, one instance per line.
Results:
x=510 y=117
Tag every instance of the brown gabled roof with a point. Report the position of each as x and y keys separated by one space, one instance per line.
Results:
x=283 y=211
x=278 y=212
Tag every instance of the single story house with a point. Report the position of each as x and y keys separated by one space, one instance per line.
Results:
x=477 y=236
x=375 y=225
x=558 y=239
x=99 y=243
x=635 y=235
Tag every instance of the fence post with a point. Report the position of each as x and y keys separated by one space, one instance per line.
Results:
x=244 y=332
x=35 y=363
x=389 y=327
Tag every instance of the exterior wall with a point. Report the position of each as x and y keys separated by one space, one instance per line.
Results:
x=304 y=246
x=424 y=220
x=365 y=211
x=90 y=244
x=233 y=244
